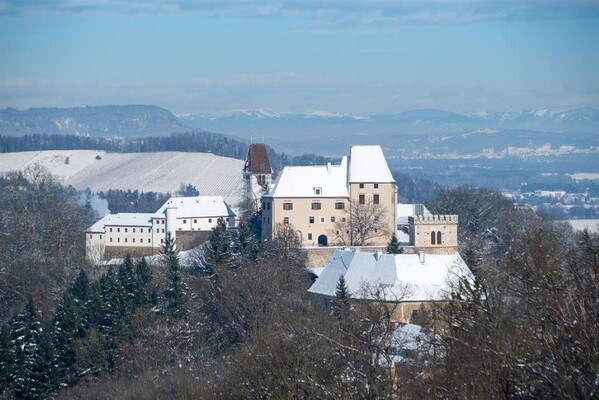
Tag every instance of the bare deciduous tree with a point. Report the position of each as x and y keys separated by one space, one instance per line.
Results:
x=361 y=223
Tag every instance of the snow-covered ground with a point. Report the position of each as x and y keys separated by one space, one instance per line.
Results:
x=157 y=172
x=580 y=224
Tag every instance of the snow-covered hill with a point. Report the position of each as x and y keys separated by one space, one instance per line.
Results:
x=158 y=172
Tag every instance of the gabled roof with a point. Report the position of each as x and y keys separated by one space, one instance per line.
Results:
x=399 y=277
x=196 y=207
x=257 y=161
x=368 y=164
x=121 y=219
x=302 y=181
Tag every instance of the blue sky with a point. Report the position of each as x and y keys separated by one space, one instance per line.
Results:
x=357 y=57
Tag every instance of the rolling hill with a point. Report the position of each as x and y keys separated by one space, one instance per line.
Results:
x=158 y=172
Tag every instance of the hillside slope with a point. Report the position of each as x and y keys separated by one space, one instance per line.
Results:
x=124 y=121
x=158 y=172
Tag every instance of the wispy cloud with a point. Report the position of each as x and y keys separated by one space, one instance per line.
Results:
x=354 y=12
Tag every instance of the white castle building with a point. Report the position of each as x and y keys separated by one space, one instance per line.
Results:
x=144 y=233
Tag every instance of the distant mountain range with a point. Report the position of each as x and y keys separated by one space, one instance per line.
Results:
x=413 y=132
x=407 y=134
x=106 y=121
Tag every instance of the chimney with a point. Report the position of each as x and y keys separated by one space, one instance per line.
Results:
x=329 y=169
x=421 y=257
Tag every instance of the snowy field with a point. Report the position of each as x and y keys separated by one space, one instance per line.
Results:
x=157 y=172
x=580 y=224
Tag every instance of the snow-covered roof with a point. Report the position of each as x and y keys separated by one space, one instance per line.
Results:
x=121 y=219
x=302 y=181
x=368 y=164
x=196 y=207
x=399 y=277
x=410 y=210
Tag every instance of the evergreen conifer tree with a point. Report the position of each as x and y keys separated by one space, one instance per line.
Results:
x=143 y=276
x=342 y=301
x=217 y=251
x=65 y=330
x=175 y=290
x=32 y=373
x=80 y=289
x=245 y=244
x=6 y=361
x=393 y=246
x=128 y=284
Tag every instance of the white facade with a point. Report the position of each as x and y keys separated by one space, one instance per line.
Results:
x=148 y=230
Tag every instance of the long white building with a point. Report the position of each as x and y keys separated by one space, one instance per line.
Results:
x=144 y=233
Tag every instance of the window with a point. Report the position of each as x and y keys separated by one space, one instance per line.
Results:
x=362 y=199
x=342 y=219
x=133 y=240
x=125 y=230
x=157 y=230
x=439 y=237
x=210 y=220
x=125 y=240
x=195 y=221
x=286 y=221
x=287 y=206
x=322 y=219
x=316 y=206
x=376 y=185
x=118 y=240
x=110 y=229
x=268 y=206
x=361 y=186
x=317 y=190
x=162 y=230
x=311 y=220
x=433 y=241
x=110 y=240
x=309 y=236
x=100 y=237
x=375 y=199
x=340 y=205
x=264 y=206
x=332 y=219
x=90 y=236
x=161 y=240
x=118 y=229
x=184 y=221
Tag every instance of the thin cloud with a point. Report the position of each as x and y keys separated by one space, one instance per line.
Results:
x=351 y=12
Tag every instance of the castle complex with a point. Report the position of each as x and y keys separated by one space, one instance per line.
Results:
x=320 y=202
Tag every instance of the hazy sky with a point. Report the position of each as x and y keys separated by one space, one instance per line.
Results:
x=349 y=56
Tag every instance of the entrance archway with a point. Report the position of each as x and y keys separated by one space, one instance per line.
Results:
x=323 y=240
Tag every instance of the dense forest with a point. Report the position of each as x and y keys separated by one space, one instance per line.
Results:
x=239 y=324
x=219 y=144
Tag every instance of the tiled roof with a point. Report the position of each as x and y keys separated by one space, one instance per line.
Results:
x=257 y=160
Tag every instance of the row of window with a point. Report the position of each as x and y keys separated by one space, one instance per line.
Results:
x=315 y=206
x=141 y=240
x=311 y=220
x=376 y=185
x=375 y=199
x=436 y=238
x=141 y=230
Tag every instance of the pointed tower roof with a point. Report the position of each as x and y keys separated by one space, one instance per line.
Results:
x=257 y=161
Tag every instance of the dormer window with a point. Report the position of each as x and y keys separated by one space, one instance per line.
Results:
x=317 y=190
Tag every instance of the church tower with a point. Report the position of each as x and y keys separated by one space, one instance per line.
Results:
x=257 y=172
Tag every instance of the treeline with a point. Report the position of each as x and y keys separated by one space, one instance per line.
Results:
x=210 y=142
